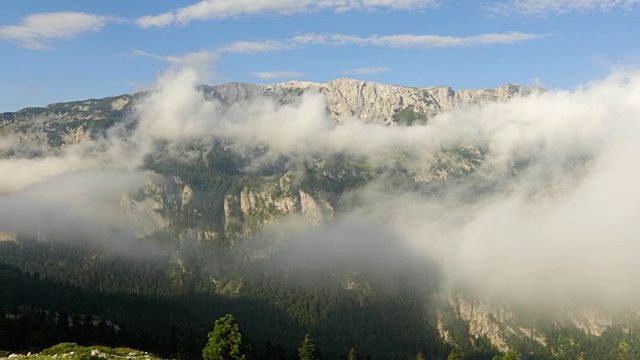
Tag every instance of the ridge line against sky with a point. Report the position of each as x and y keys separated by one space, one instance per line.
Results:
x=464 y=44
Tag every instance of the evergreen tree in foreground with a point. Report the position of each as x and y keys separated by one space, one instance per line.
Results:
x=308 y=350
x=353 y=355
x=226 y=341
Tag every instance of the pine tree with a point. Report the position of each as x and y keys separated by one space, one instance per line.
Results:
x=353 y=355
x=226 y=341
x=622 y=351
x=308 y=350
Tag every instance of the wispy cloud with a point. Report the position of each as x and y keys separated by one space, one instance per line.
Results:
x=220 y=9
x=391 y=41
x=186 y=60
x=277 y=74
x=200 y=61
x=367 y=71
x=431 y=41
x=36 y=31
x=249 y=47
x=544 y=7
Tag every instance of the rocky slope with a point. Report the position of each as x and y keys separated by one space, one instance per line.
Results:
x=379 y=103
x=346 y=99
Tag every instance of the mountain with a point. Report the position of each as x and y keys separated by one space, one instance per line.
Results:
x=295 y=214
x=345 y=99
x=380 y=103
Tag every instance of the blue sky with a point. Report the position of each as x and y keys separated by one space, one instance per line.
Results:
x=63 y=50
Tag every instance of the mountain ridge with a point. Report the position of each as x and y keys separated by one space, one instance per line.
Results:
x=345 y=98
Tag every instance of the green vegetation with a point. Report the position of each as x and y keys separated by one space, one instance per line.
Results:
x=308 y=349
x=164 y=311
x=511 y=355
x=454 y=355
x=623 y=349
x=226 y=341
x=409 y=116
x=353 y=355
x=73 y=351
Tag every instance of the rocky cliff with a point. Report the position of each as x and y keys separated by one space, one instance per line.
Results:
x=346 y=99
x=379 y=103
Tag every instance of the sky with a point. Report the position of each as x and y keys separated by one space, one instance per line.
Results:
x=67 y=50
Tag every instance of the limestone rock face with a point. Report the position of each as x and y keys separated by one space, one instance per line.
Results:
x=119 y=103
x=315 y=212
x=254 y=208
x=346 y=99
x=8 y=236
x=232 y=93
x=363 y=100
x=483 y=319
x=501 y=325
x=187 y=194
x=378 y=103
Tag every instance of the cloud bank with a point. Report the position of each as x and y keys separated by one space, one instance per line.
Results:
x=558 y=227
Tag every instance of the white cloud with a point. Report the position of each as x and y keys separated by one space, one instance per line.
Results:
x=429 y=41
x=156 y=21
x=392 y=41
x=277 y=74
x=250 y=47
x=36 y=31
x=220 y=9
x=367 y=71
x=188 y=60
x=543 y=7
